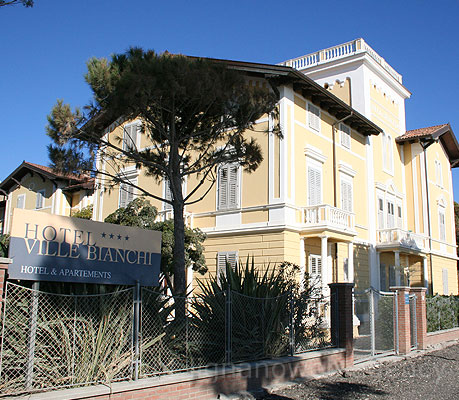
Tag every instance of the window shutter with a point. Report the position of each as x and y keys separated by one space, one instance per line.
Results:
x=167 y=194
x=232 y=186
x=130 y=137
x=390 y=215
x=223 y=187
x=345 y=136
x=314 y=186
x=123 y=195
x=222 y=258
x=315 y=268
x=20 y=201
x=441 y=217
x=314 y=117
x=40 y=199
x=346 y=196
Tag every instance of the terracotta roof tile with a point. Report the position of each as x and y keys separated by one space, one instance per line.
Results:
x=421 y=132
x=80 y=178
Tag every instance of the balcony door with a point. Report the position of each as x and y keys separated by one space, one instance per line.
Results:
x=314 y=186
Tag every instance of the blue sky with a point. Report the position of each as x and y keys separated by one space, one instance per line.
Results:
x=44 y=50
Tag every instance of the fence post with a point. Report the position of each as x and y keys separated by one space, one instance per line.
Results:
x=228 y=319
x=4 y=262
x=402 y=309
x=137 y=301
x=291 y=328
x=32 y=336
x=371 y=315
x=342 y=318
x=421 y=316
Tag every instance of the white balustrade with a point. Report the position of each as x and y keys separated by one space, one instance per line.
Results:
x=401 y=237
x=327 y=215
x=336 y=52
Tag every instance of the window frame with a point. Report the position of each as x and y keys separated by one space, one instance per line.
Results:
x=22 y=196
x=125 y=144
x=232 y=257
x=345 y=137
x=347 y=180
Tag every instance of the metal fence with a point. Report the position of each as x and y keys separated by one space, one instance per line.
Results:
x=53 y=340
x=442 y=312
x=375 y=311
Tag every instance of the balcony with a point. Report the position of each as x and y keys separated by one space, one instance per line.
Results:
x=326 y=217
x=399 y=238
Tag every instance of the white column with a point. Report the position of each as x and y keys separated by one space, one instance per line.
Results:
x=350 y=262
x=325 y=267
x=189 y=279
x=302 y=263
x=397 y=268
x=425 y=273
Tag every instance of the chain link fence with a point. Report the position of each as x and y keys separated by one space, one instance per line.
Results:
x=53 y=340
x=442 y=312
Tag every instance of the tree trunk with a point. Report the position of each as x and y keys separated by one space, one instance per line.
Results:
x=179 y=251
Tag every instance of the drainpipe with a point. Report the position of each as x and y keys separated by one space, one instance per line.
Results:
x=335 y=201
x=424 y=146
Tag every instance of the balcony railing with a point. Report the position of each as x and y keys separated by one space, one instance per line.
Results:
x=328 y=217
x=400 y=237
x=340 y=51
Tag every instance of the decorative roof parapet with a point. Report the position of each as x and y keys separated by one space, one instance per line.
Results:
x=357 y=46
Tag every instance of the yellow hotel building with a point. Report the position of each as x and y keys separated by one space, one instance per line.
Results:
x=348 y=194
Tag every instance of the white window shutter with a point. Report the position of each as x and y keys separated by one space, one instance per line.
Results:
x=167 y=194
x=346 y=196
x=40 y=199
x=380 y=214
x=345 y=136
x=314 y=117
x=228 y=187
x=20 y=201
x=233 y=186
x=315 y=268
x=130 y=137
x=445 y=281
x=223 y=187
x=314 y=186
x=224 y=257
x=441 y=217
x=123 y=195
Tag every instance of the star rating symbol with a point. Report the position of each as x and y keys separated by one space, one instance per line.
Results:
x=127 y=237
x=112 y=235
x=103 y=234
x=119 y=237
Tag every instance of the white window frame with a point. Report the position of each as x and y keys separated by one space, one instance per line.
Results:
x=40 y=200
x=345 y=136
x=380 y=210
x=23 y=197
x=317 y=168
x=127 y=139
x=314 y=117
x=390 y=213
x=228 y=204
x=222 y=257
x=438 y=173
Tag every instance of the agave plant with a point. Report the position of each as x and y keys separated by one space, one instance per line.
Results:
x=256 y=314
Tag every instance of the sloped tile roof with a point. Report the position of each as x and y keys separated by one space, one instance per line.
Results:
x=421 y=132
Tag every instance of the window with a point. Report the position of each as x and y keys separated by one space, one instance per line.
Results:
x=228 y=186
x=167 y=195
x=127 y=193
x=380 y=213
x=390 y=215
x=130 y=133
x=21 y=201
x=40 y=202
x=441 y=224
x=314 y=117
x=345 y=133
x=346 y=195
x=438 y=173
x=223 y=257
x=315 y=269
x=314 y=186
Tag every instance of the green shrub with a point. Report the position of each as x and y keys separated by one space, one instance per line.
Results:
x=84 y=213
x=442 y=312
x=4 y=245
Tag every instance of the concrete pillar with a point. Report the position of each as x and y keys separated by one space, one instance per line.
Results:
x=302 y=262
x=397 y=268
x=425 y=273
x=402 y=315
x=421 y=317
x=350 y=262
x=341 y=318
x=324 y=259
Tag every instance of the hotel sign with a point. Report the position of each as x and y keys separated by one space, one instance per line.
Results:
x=47 y=247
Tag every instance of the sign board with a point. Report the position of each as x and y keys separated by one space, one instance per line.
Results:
x=407 y=298
x=47 y=247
